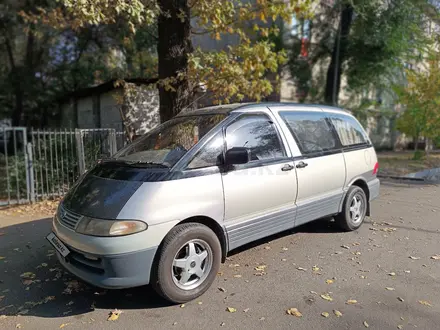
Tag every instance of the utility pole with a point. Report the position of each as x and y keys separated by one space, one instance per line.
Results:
x=338 y=45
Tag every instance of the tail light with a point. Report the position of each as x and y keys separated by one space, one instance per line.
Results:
x=376 y=168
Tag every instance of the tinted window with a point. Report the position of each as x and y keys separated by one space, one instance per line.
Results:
x=312 y=131
x=348 y=129
x=258 y=133
x=209 y=154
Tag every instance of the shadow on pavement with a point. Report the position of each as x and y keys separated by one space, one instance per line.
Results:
x=32 y=282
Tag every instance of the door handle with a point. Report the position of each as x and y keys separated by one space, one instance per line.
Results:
x=287 y=167
x=301 y=165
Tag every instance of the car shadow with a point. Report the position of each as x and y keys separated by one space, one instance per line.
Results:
x=32 y=282
x=321 y=226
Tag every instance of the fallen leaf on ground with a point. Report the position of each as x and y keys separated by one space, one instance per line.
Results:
x=315 y=268
x=388 y=229
x=70 y=303
x=182 y=306
x=414 y=258
x=366 y=325
x=234 y=265
x=222 y=289
x=294 y=312
x=18 y=326
x=400 y=299
x=303 y=269
x=231 y=309
x=64 y=325
x=392 y=274
x=28 y=282
x=390 y=289
x=200 y=302
x=426 y=303
x=351 y=301
x=237 y=276
x=262 y=318
x=337 y=313
x=114 y=315
x=28 y=275
x=222 y=324
x=329 y=281
x=267 y=247
x=1 y=258
x=325 y=314
x=246 y=310
x=345 y=247
x=436 y=257
x=260 y=268
x=285 y=249
x=400 y=326
x=327 y=297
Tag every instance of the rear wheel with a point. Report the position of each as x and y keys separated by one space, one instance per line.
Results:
x=354 y=209
x=187 y=264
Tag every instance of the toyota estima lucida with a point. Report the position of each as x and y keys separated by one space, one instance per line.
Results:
x=167 y=208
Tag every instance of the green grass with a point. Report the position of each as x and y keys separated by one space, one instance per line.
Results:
x=401 y=163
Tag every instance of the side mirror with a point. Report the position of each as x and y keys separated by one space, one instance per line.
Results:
x=237 y=155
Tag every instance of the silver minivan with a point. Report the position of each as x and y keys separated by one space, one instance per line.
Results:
x=168 y=208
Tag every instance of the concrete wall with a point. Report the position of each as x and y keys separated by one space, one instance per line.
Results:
x=110 y=110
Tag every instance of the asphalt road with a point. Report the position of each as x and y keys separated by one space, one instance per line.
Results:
x=386 y=266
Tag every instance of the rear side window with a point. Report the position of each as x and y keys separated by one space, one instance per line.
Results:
x=311 y=130
x=349 y=130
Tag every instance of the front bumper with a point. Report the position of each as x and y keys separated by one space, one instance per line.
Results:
x=111 y=271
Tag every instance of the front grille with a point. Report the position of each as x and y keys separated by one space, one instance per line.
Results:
x=68 y=218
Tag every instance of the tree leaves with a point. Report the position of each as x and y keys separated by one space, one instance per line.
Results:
x=294 y=312
x=114 y=315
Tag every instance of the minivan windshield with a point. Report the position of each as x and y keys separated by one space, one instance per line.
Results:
x=168 y=143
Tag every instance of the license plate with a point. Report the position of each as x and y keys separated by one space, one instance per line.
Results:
x=57 y=244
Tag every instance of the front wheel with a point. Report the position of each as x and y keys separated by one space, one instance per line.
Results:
x=187 y=264
x=354 y=209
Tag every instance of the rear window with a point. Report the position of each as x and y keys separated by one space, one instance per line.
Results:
x=311 y=130
x=350 y=132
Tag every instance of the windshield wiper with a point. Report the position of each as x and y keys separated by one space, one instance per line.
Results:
x=138 y=163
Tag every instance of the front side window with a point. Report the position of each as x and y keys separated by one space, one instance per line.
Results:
x=258 y=133
x=311 y=130
x=349 y=130
x=210 y=154
x=167 y=144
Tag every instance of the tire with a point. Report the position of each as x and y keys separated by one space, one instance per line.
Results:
x=180 y=275
x=348 y=219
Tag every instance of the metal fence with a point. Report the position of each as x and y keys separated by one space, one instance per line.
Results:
x=40 y=164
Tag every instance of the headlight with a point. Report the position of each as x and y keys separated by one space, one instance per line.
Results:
x=98 y=227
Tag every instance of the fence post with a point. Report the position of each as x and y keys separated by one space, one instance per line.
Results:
x=112 y=142
x=30 y=173
x=80 y=151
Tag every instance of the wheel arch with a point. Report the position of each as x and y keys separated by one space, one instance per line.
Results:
x=361 y=183
x=215 y=227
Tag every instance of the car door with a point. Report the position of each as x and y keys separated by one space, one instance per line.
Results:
x=260 y=195
x=320 y=168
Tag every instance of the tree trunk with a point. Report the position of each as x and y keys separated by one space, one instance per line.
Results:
x=337 y=59
x=173 y=48
x=416 y=143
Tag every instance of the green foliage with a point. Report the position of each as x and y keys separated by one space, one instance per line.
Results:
x=418 y=155
x=47 y=53
x=231 y=73
x=383 y=36
x=421 y=98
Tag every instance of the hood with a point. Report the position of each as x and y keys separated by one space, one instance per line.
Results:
x=103 y=192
